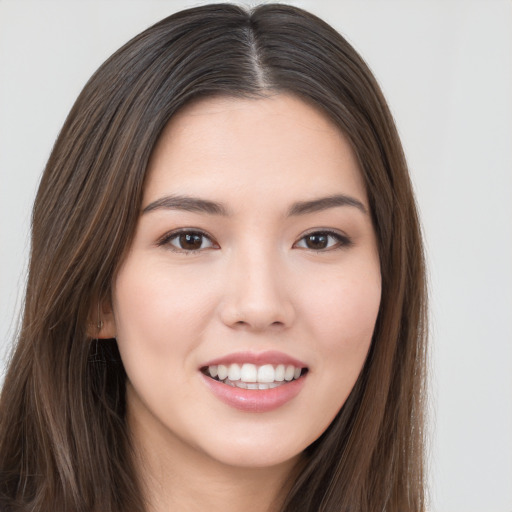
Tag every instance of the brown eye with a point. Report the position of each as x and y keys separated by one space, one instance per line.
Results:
x=316 y=241
x=323 y=241
x=187 y=241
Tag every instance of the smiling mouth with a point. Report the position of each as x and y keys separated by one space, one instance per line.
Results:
x=251 y=376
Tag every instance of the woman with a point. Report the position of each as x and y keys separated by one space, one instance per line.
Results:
x=225 y=306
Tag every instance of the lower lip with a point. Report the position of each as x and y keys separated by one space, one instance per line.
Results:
x=255 y=400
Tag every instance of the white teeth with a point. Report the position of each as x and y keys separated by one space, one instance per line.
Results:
x=222 y=371
x=288 y=373
x=249 y=373
x=234 y=372
x=266 y=373
x=250 y=376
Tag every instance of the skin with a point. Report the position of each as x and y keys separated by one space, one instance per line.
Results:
x=254 y=284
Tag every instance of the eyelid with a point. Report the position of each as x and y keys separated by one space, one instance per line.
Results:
x=344 y=241
x=170 y=235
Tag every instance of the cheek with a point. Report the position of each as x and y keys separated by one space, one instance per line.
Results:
x=343 y=311
x=160 y=309
x=347 y=306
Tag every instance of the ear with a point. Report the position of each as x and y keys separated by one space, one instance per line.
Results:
x=102 y=324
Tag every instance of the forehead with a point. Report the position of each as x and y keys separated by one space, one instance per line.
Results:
x=231 y=146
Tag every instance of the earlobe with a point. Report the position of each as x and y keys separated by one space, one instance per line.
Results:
x=107 y=327
x=102 y=324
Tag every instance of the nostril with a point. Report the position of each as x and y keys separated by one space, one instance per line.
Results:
x=256 y=315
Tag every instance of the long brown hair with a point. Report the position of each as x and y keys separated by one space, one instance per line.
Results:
x=64 y=444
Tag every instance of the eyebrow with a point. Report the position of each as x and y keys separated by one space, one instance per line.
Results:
x=195 y=204
x=189 y=204
x=324 y=203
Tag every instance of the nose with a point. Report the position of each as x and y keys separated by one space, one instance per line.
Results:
x=257 y=296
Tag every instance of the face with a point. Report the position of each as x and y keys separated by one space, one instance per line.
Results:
x=245 y=307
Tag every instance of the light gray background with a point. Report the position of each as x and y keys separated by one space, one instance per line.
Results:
x=446 y=69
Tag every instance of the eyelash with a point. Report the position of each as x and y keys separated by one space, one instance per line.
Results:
x=341 y=241
x=167 y=239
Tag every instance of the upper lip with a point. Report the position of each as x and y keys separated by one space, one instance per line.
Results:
x=257 y=358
